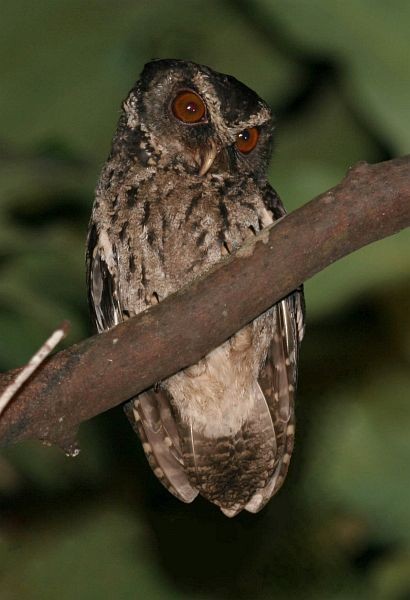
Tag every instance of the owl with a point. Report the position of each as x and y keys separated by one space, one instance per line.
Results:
x=184 y=185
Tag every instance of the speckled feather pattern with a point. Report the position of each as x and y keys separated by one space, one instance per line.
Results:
x=225 y=426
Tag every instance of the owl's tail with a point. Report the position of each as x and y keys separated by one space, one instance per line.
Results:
x=236 y=465
x=233 y=471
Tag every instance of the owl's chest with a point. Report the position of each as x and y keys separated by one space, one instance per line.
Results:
x=176 y=230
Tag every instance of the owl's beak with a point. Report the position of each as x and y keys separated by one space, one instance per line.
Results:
x=206 y=157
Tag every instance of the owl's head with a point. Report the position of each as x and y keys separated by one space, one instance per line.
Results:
x=184 y=115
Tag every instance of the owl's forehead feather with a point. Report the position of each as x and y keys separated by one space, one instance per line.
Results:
x=226 y=97
x=231 y=101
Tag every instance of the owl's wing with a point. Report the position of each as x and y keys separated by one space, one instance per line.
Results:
x=151 y=417
x=278 y=376
x=272 y=201
x=103 y=280
x=149 y=413
x=278 y=381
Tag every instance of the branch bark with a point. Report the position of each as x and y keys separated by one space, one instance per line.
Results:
x=372 y=202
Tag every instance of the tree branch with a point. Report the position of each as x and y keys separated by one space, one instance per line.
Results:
x=372 y=202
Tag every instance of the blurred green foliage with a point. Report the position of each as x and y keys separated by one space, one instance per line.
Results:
x=337 y=76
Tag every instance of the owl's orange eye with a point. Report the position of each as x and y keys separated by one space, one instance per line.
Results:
x=247 y=139
x=188 y=107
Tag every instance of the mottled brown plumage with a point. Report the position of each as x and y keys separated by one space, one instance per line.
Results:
x=175 y=197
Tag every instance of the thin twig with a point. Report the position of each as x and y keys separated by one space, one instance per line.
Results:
x=33 y=364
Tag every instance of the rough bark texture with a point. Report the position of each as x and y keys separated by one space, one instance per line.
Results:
x=372 y=202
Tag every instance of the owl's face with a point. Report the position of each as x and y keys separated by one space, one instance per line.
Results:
x=200 y=120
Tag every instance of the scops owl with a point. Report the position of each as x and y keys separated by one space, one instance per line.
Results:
x=184 y=185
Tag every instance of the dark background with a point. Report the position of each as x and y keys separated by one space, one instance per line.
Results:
x=100 y=526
